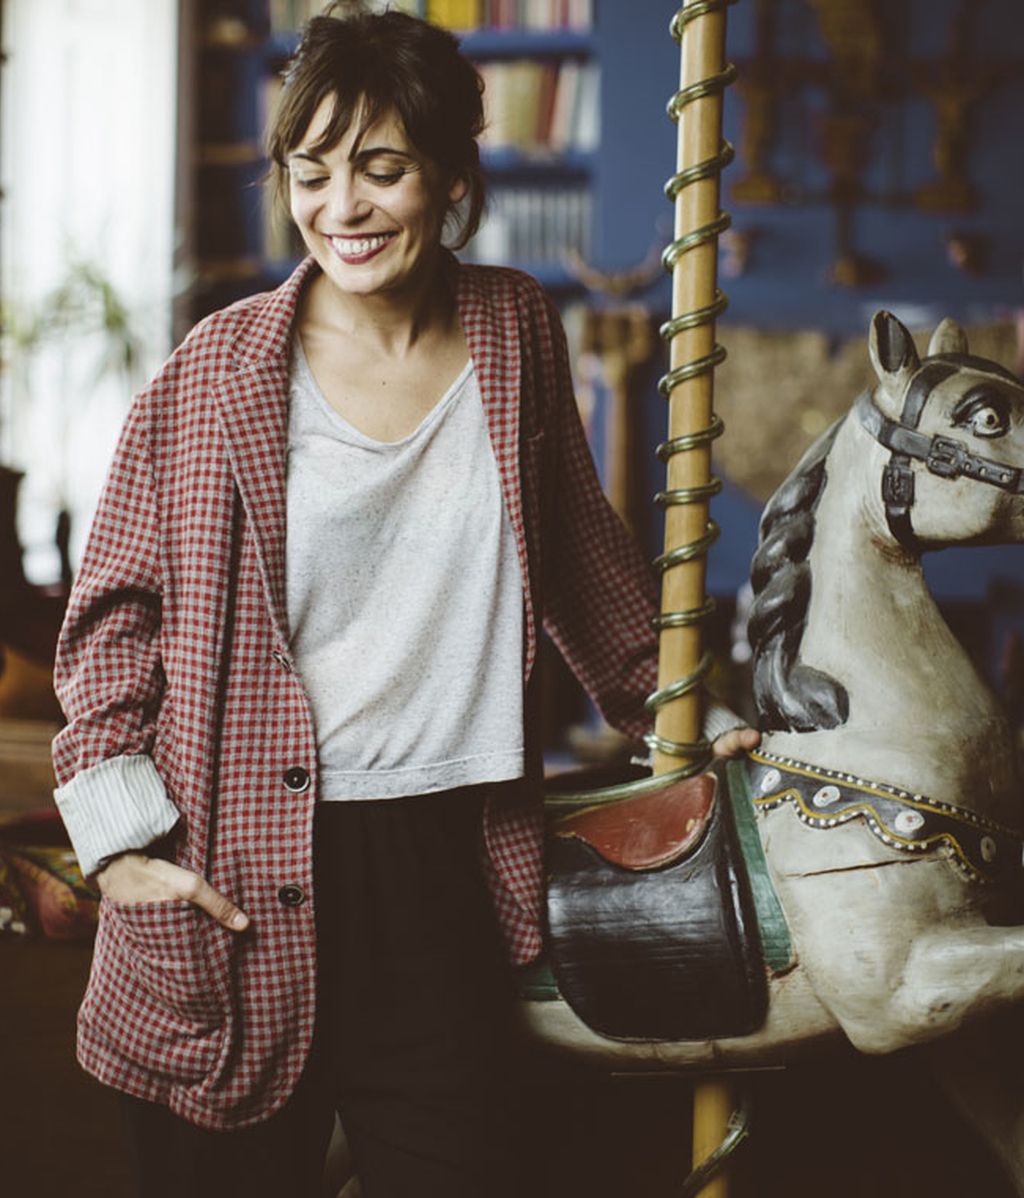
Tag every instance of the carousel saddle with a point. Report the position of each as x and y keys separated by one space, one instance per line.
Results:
x=652 y=929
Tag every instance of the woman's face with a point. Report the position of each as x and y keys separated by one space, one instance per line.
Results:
x=371 y=208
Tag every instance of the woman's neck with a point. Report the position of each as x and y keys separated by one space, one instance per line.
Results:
x=393 y=323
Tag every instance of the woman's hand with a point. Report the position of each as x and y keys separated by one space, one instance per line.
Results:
x=136 y=878
x=736 y=741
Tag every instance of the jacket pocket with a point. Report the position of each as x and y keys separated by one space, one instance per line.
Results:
x=154 y=1004
x=165 y=944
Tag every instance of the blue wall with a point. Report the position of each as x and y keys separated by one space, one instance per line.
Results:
x=786 y=285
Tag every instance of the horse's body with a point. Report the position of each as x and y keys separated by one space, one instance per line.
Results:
x=862 y=676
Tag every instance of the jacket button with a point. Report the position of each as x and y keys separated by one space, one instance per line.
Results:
x=291 y=895
x=281 y=660
x=296 y=779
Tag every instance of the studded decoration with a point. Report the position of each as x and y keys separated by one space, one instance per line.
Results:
x=982 y=850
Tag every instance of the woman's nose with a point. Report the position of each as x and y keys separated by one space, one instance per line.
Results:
x=347 y=201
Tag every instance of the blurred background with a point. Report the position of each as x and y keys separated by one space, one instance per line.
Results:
x=878 y=165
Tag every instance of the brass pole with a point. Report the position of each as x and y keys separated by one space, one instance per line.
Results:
x=701 y=154
x=696 y=301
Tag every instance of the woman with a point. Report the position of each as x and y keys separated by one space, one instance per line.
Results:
x=298 y=668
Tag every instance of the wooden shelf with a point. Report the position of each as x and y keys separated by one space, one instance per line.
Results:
x=229 y=270
x=538 y=164
x=279 y=46
x=233 y=153
x=483 y=43
x=240 y=43
x=527 y=43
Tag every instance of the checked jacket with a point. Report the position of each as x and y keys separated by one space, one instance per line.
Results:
x=186 y=715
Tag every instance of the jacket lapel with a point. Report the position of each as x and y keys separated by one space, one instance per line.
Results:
x=253 y=410
x=252 y=406
x=490 y=321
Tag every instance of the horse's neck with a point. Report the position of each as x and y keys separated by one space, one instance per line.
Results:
x=920 y=716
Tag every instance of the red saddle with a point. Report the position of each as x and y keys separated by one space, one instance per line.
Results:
x=645 y=831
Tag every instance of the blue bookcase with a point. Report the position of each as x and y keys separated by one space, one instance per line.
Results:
x=786 y=284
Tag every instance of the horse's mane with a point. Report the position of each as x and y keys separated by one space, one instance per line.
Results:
x=790 y=696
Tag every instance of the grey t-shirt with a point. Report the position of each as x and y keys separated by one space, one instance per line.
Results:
x=405 y=597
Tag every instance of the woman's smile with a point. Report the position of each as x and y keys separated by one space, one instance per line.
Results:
x=357 y=250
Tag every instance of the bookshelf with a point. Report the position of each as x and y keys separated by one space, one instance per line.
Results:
x=541 y=150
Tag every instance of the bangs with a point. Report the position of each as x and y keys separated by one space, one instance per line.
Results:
x=346 y=108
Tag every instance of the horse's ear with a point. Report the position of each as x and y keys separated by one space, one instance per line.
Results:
x=891 y=347
x=948 y=338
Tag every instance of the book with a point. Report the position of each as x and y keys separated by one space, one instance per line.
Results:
x=533 y=226
x=455 y=14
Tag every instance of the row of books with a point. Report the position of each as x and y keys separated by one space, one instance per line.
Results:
x=289 y=15
x=459 y=15
x=537 y=109
x=534 y=226
x=540 y=15
x=541 y=107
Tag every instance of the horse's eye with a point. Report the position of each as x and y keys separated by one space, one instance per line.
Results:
x=984 y=420
x=983 y=412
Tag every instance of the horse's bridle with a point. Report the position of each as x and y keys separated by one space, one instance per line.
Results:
x=944 y=457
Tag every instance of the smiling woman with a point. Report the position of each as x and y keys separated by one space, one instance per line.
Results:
x=302 y=754
x=374 y=150
x=404 y=69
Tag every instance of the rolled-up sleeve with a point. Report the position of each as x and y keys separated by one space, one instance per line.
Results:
x=108 y=674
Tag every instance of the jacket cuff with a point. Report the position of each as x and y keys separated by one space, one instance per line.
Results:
x=113 y=807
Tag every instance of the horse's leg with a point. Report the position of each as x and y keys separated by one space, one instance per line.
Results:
x=897 y=980
x=894 y=946
x=955 y=973
x=979 y=1070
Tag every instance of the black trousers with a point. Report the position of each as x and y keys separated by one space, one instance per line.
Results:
x=414 y=1044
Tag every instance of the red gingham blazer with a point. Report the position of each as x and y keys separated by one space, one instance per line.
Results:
x=176 y=645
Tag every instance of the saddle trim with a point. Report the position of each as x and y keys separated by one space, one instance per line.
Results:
x=772 y=926
x=998 y=850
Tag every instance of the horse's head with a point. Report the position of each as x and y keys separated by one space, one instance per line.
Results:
x=954 y=426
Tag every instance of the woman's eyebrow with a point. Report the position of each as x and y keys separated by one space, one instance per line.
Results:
x=306 y=156
x=373 y=151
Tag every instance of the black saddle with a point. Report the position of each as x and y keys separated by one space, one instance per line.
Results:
x=652 y=928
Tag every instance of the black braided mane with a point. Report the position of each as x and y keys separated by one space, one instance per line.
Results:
x=790 y=696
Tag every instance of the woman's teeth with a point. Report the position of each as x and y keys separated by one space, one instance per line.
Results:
x=351 y=247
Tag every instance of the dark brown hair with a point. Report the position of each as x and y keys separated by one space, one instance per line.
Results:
x=374 y=63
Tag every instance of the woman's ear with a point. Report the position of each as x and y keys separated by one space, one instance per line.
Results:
x=457 y=190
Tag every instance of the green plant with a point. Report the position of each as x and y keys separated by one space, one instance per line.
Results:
x=84 y=302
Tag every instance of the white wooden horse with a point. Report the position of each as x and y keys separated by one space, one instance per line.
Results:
x=867 y=697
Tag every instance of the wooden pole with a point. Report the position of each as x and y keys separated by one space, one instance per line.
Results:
x=694 y=289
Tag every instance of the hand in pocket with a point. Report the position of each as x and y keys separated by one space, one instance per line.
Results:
x=135 y=878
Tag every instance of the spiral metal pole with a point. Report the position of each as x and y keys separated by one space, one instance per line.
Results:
x=699 y=27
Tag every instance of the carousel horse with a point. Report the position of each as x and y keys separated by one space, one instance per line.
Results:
x=885 y=792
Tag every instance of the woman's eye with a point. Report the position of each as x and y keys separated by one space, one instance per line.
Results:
x=384 y=179
x=311 y=184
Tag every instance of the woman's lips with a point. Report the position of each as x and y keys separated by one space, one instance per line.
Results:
x=355 y=250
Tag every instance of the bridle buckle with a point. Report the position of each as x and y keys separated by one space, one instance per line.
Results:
x=898 y=484
x=946 y=458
